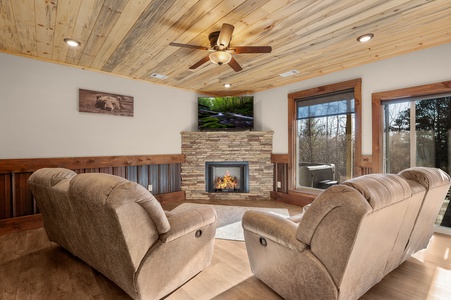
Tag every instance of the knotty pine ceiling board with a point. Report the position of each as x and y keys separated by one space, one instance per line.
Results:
x=131 y=38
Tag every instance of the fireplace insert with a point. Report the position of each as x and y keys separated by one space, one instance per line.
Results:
x=227 y=177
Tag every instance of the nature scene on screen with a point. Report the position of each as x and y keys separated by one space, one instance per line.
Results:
x=226 y=113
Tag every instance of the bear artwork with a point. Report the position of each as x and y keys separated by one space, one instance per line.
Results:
x=109 y=103
x=105 y=103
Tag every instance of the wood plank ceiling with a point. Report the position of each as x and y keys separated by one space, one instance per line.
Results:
x=131 y=38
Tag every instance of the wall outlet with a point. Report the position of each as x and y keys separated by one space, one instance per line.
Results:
x=279 y=184
x=149 y=187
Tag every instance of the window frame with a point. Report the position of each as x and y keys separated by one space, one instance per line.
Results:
x=381 y=98
x=356 y=85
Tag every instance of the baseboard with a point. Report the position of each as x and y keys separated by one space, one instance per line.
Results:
x=442 y=230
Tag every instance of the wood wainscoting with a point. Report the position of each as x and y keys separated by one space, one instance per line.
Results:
x=282 y=193
x=18 y=210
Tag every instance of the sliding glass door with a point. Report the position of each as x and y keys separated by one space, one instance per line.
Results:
x=417 y=133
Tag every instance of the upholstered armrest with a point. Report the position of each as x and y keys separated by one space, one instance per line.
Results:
x=188 y=221
x=169 y=213
x=273 y=227
x=179 y=254
x=296 y=218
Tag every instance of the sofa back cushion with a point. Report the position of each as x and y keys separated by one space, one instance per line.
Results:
x=352 y=228
x=50 y=188
x=437 y=183
x=49 y=177
x=120 y=222
x=381 y=190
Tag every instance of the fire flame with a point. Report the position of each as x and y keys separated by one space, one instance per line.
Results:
x=227 y=182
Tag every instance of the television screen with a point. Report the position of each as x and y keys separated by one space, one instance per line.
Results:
x=226 y=113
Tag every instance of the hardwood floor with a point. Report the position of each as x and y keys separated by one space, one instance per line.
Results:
x=32 y=267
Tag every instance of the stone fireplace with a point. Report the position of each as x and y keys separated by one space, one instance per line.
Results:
x=239 y=162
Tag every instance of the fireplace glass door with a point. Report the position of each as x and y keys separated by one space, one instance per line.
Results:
x=227 y=177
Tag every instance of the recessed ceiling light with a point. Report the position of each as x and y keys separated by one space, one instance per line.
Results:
x=365 y=38
x=72 y=42
x=227 y=85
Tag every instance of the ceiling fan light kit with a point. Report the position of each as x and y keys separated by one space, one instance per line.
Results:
x=220 y=57
x=221 y=52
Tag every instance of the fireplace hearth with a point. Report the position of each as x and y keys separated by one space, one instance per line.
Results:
x=227 y=177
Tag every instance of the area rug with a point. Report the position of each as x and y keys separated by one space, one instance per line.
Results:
x=229 y=218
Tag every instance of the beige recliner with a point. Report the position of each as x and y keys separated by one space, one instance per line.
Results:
x=121 y=230
x=352 y=235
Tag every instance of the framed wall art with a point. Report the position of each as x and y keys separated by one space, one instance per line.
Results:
x=105 y=103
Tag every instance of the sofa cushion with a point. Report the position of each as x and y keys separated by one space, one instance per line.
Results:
x=427 y=177
x=115 y=191
x=437 y=184
x=132 y=192
x=51 y=176
x=50 y=189
x=381 y=190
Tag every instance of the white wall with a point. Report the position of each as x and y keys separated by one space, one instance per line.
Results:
x=39 y=114
x=417 y=68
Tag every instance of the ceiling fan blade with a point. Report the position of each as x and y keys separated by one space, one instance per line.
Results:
x=252 y=49
x=188 y=46
x=225 y=35
x=235 y=65
x=200 y=62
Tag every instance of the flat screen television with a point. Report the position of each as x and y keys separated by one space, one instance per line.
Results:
x=226 y=113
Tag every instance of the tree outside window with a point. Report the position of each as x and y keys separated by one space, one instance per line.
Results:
x=324 y=137
x=325 y=143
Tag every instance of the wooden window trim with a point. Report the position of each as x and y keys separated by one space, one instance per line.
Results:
x=355 y=84
x=378 y=99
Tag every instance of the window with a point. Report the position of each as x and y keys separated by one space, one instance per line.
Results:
x=412 y=128
x=416 y=133
x=324 y=128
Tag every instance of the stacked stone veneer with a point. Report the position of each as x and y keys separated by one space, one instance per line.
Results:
x=255 y=147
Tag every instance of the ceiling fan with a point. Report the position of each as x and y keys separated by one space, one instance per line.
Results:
x=220 y=50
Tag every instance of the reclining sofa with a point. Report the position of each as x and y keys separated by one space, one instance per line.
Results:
x=121 y=230
x=352 y=235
